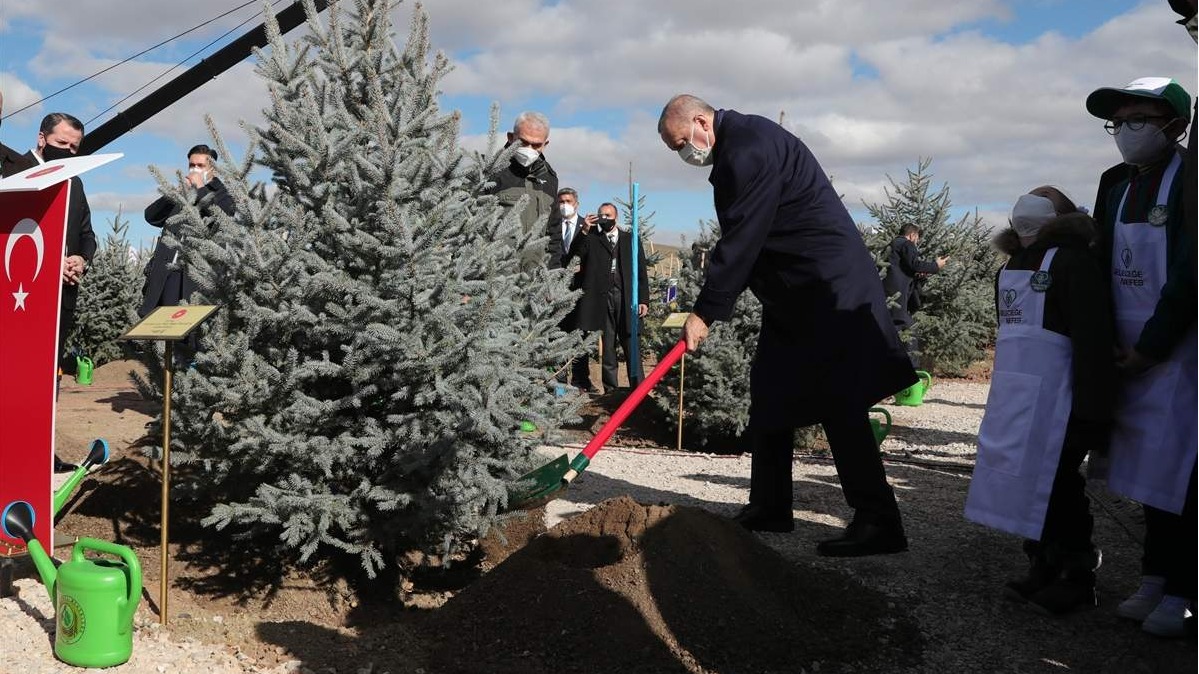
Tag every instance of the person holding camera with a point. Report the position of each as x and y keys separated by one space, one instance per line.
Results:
x=605 y=275
x=167 y=284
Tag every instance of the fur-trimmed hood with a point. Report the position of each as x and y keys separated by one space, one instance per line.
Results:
x=1072 y=230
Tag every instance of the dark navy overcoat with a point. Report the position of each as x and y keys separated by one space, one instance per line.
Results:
x=827 y=345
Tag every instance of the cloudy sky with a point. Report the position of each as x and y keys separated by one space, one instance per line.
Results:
x=991 y=90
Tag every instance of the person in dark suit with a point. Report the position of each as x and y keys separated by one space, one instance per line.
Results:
x=827 y=350
x=59 y=137
x=564 y=228
x=905 y=273
x=167 y=283
x=606 y=277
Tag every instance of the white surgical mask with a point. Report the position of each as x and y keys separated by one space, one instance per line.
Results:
x=1143 y=146
x=202 y=172
x=693 y=155
x=1030 y=214
x=567 y=210
x=525 y=156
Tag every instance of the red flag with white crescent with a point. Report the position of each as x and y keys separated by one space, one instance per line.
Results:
x=32 y=225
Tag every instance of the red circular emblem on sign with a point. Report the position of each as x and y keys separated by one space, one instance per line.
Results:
x=179 y=314
x=43 y=172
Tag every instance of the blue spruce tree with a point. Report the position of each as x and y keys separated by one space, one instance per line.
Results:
x=957 y=318
x=716 y=377
x=382 y=330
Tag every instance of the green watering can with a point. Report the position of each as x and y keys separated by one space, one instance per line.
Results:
x=913 y=396
x=94 y=598
x=83 y=370
x=880 y=431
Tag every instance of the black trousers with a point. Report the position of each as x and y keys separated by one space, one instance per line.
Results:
x=1068 y=521
x=1170 y=546
x=580 y=367
x=855 y=454
x=614 y=326
x=912 y=345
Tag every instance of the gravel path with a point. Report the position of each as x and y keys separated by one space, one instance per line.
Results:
x=949 y=580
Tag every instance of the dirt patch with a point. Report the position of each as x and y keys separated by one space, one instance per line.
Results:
x=634 y=588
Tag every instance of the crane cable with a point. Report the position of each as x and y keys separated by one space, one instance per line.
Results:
x=174 y=67
x=144 y=51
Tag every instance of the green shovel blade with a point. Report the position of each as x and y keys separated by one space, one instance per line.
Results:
x=537 y=484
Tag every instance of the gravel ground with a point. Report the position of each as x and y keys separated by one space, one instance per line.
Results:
x=949 y=580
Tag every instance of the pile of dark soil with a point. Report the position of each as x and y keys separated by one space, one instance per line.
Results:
x=627 y=587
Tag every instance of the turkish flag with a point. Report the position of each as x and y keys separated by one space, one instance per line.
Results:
x=32 y=225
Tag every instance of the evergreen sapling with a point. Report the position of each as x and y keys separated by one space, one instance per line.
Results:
x=379 y=340
x=108 y=295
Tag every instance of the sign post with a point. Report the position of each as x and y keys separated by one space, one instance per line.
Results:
x=635 y=319
x=168 y=325
x=676 y=320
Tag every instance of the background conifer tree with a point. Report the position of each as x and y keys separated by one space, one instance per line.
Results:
x=716 y=377
x=108 y=297
x=956 y=321
x=379 y=340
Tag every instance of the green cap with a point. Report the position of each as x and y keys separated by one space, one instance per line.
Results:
x=1103 y=102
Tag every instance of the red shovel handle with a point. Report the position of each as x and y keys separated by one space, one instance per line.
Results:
x=626 y=408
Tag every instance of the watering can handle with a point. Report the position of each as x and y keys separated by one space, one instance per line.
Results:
x=126 y=555
x=928 y=378
x=885 y=414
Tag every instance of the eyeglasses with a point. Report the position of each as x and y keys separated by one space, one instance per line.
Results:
x=1135 y=123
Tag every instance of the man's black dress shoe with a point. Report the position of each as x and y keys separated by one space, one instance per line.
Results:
x=865 y=538
x=756 y=518
x=61 y=466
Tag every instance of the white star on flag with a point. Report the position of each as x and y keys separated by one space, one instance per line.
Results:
x=19 y=297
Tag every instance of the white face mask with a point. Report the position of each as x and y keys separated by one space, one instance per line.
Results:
x=1143 y=146
x=693 y=155
x=567 y=210
x=525 y=156
x=1030 y=214
x=202 y=172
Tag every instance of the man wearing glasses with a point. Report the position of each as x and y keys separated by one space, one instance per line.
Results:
x=1148 y=251
x=529 y=174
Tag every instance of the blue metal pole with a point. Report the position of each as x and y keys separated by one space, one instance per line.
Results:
x=634 y=328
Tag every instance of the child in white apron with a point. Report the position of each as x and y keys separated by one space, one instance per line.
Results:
x=1050 y=400
x=1148 y=248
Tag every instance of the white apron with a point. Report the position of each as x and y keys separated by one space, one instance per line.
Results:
x=1020 y=440
x=1155 y=434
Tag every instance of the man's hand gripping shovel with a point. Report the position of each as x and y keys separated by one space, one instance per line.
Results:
x=540 y=485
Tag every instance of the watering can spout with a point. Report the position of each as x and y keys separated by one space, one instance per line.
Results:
x=17 y=521
x=96 y=456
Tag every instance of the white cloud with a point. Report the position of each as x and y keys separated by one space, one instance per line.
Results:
x=997 y=118
x=18 y=94
x=130 y=205
x=871 y=87
x=127 y=26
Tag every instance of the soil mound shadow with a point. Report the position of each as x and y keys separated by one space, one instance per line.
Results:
x=634 y=588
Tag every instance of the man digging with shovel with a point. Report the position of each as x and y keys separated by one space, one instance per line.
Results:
x=827 y=350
